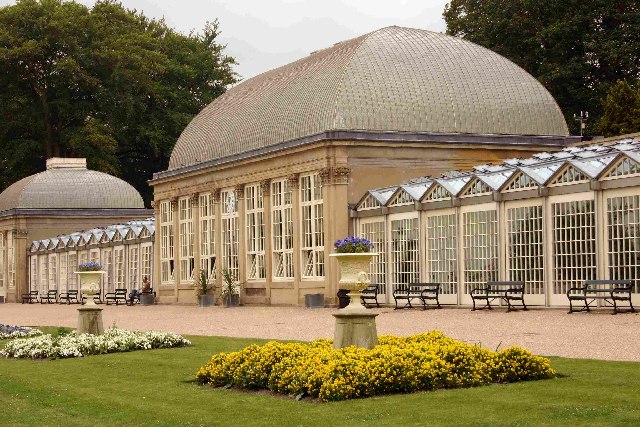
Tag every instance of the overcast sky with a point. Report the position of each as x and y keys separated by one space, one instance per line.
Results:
x=265 y=34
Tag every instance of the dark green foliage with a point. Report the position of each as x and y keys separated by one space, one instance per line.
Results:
x=621 y=109
x=106 y=83
x=576 y=49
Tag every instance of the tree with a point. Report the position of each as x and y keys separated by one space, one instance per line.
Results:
x=105 y=83
x=621 y=109
x=576 y=48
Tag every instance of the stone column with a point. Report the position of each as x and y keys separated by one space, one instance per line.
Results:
x=156 y=278
x=19 y=260
x=242 y=235
x=176 y=247
x=294 y=184
x=268 y=250
x=4 y=267
x=215 y=193
x=195 y=214
x=336 y=224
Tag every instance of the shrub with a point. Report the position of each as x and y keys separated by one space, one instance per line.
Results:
x=71 y=345
x=396 y=365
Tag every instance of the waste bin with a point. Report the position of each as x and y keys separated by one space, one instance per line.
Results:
x=314 y=300
x=343 y=298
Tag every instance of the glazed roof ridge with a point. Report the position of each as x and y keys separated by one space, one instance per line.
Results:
x=592 y=160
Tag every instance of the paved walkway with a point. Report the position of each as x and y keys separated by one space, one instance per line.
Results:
x=547 y=332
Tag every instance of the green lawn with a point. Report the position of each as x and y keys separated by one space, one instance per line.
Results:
x=154 y=388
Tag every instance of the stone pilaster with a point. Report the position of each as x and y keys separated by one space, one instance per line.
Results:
x=268 y=244
x=176 y=246
x=242 y=235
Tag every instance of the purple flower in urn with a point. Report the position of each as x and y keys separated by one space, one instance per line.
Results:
x=353 y=245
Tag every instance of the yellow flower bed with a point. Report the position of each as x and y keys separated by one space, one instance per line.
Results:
x=396 y=365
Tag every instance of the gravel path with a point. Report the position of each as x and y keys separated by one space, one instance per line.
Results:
x=548 y=332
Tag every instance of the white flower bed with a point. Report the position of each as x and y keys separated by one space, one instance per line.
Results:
x=112 y=341
x=10 y=332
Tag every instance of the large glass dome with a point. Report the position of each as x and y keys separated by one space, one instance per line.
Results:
x=391 y=80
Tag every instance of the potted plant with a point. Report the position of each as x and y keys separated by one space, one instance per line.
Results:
x=90 y=274
x=204 y=289
x=354 y=257
x=230 y=290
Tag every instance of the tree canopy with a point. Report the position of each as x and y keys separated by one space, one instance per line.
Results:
x=621 y=109
x=577 y=49
x=104 y=83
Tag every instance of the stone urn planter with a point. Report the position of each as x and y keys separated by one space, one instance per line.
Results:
x=90 y=284
x=232 y=300
x=354 y=276
x=205 y=300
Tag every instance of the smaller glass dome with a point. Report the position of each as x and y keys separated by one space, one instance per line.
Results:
x=68 y=184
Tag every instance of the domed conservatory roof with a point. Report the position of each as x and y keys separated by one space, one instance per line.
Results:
x=391 y=80
x=68 y=184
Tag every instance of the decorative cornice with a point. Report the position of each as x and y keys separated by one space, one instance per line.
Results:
x=20 y=233
x=325 y=175
x=265 y=184
x=450 y=140
x=294 y=181
x=239 y=189
x=341 y=175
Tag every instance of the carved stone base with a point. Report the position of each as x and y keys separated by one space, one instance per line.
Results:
x=357 y=329
x=90 y=321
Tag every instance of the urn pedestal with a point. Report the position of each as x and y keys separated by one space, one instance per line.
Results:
x=90 y=315
x=354 y=324
x=90 y=320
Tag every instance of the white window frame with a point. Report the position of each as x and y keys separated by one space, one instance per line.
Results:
x=72 y=262
x=625 y=270
x=11 y=259
x=62 y=271
x=107 y=265
x=146 y=252
x=166 y=243
x=403 y=252
x=557 y=289
x=33 y=273
x=53 y=271
x=282 y=229
x=255 y=237
x=208 y=234
x=2 y=260
x=133 y=267
x=312 y=230
x=230 y=231
x=486 y=245
x=438 y=268
x=119 y=276
x=44 y=272
x=522 y=262
x=374 y=229
x=186 y=238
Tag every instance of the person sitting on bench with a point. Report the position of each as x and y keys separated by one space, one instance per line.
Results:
x=133 y=295
x=146 y=285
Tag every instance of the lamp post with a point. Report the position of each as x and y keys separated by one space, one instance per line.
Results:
x=584 y=116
